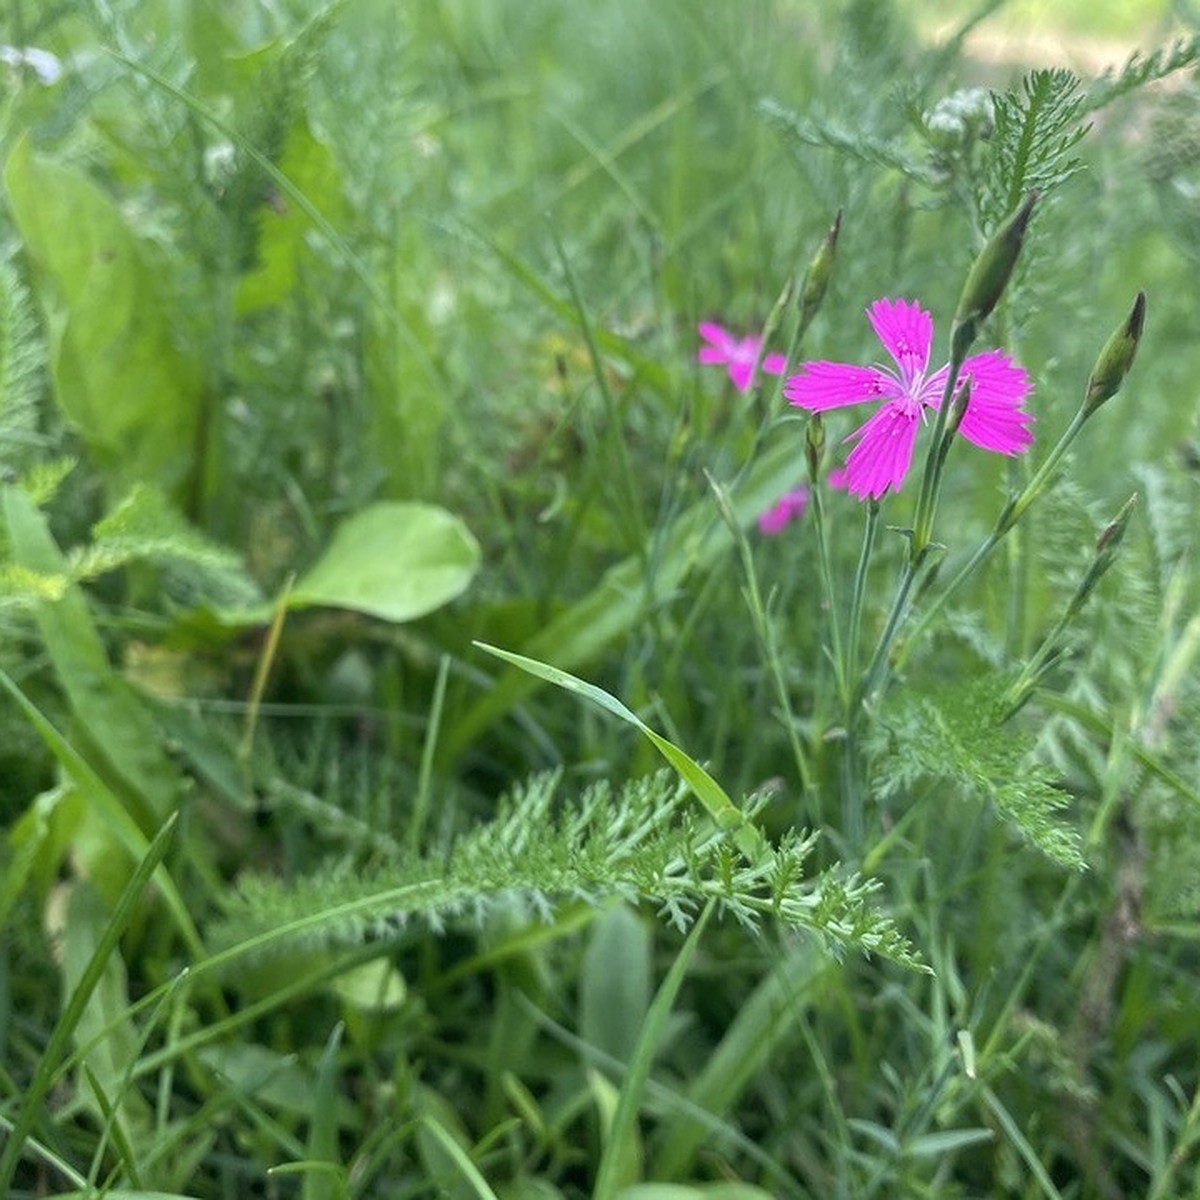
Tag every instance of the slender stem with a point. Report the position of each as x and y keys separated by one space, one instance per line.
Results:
x=766 y=638
x=853 y=825
x=1018 y=571
x=875 y=669
x=935 y=460
x=817 y=505
x=922 y=533
x=1009 y=516
x=870 y=531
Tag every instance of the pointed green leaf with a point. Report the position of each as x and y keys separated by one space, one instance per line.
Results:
x=708 y=791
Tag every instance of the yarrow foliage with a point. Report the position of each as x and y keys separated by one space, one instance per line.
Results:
x=736 y=354
x=994 y=420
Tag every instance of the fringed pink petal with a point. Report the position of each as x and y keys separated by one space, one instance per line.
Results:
x=906 y=331
x=884 y=452
x=994 y=419
x=823 y=385
x=740 y=372
x=774 y=364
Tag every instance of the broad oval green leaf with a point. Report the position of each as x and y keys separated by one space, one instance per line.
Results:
x=392 y=560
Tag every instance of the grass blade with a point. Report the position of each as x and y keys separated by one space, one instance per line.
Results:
x=707 y=790
x=47 y=1071
x=623 y=1130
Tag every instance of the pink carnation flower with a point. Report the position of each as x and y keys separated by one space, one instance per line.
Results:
x=736 y=354
x=790 y=507
x=994 y=418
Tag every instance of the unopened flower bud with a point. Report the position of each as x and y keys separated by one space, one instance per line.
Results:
x=820 y=269
x=814 y=446
x=989 y=276
x=958 y=407
x=1116 y=358
x=1111 y=535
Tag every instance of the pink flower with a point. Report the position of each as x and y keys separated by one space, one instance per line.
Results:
x=994 y=418
x=737 y=354
x=789 y=507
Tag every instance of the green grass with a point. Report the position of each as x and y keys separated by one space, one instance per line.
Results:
x=370 y=537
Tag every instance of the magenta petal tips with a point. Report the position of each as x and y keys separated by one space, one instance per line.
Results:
x=882 y=454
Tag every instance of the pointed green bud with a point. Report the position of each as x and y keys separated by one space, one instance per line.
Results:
x=820 y=270
x=814 y=446
x=1111 y=535
x=1106 y=554
x=989 y=276
x=1116 y=358
x=958 y=408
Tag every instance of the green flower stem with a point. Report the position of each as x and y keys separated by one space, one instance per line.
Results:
x=922 y=533
x=1019 y=566
x=766 y=639
x=874 y=673
x=817 y=507
x=935 y=459
x=1009 y=516
x=870 y=531
x=774 y=320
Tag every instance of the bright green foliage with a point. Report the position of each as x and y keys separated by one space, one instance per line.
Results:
x=118 y=377
x=955 y=739
x=338 y=340
x=638 y=844
x=394 y=561
x=1033 y=142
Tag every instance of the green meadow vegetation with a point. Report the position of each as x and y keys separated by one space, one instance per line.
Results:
x=421 y=775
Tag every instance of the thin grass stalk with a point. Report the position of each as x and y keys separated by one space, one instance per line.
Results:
x=47 y=1070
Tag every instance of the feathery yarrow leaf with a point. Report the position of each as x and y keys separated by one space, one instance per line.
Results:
x=805 y=130
x=1140 y=70
x=642 y=843
x=956 y=734
x=22 y=362
x=1036 y=129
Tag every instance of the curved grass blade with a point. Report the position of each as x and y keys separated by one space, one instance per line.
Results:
x=707 y=790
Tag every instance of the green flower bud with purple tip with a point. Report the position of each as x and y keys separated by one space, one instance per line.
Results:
x=989 y=276
x=1116 y=358
x=820 y=269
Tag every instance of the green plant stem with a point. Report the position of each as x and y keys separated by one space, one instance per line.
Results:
x=817 y=507
x=854 y=624
x=851 y=775
x=935 y=461
x=766 y=638
x=1019 y=576
x=921 y=537
x=1009 y=516
x=875 y=669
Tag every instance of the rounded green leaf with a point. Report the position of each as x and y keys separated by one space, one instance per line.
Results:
x=392 y=560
